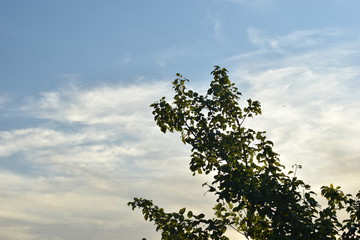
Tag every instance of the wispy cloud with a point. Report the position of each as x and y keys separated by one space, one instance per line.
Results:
x=102 y=105
x=23 y=139
x=217 y=28
x=214 y=25
x=169 y=55
x=3 y=99
x=254 y=3
x=295 y=41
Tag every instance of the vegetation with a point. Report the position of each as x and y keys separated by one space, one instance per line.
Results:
x=254 y=195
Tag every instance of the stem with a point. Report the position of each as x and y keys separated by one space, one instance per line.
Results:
x=238 y=230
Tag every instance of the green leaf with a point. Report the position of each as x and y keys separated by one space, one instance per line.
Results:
x=181 y=211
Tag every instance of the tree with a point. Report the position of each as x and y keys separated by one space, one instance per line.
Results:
x=254 y=195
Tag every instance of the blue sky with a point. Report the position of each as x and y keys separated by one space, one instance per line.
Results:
x=77 y=139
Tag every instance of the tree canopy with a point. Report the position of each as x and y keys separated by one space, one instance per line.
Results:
x=254 y=194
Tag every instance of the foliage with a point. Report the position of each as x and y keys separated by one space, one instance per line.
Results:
x=254 y=195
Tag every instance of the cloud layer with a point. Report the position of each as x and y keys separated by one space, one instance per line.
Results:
x=70 y=176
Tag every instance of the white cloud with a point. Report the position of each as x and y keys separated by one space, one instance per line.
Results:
x=2 y=100
x=255 y=38
x=101 y=105
x=308 y=38
x=253 y=3
x=31 y=139
x=295 y=41
x=170 y=54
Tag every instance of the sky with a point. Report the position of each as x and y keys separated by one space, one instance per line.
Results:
x=77 y=137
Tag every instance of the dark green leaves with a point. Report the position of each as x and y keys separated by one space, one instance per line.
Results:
x=182 y=211
x=177 y=225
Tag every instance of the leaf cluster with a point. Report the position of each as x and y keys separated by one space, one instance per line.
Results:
x=254 y=195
